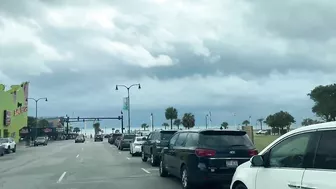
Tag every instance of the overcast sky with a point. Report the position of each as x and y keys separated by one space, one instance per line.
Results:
x=224 y=56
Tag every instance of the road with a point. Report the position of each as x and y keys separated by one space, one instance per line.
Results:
x=89 y=165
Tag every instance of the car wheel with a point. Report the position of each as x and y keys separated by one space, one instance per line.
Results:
x=185 y=179
x=153 y=160
x=14 y=149
x=143 y=157
x=8 y=150
x=162 y=170
x=240 y=186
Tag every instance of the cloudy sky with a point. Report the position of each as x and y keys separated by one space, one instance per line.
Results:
x=224 y=56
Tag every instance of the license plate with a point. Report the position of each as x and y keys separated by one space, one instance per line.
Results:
x=231 y=163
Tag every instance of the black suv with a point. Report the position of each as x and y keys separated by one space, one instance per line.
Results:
x=98 y=138
x=205 y=156
x=125 y=141
x=155 y=142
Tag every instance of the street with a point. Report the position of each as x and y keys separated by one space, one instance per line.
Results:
x=70 y=165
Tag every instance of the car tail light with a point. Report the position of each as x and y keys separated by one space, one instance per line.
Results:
x=205 y=152
x=253 y=152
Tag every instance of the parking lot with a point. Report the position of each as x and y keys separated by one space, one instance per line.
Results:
x=70 y=165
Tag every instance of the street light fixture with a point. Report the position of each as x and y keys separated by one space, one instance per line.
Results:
x=129 y=101
x=36 y=101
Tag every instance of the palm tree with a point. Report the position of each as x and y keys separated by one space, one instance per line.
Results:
x=177 y=122
x=260 y=120
x=188 y=120
x=76 y=130
x=96 y=127
x=144 y=126
x=171 y=113
x=165 y=125
x=246 y=122
x=225 y=125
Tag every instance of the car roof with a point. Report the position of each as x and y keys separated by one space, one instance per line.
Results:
x=314 y=127
x=211 y=130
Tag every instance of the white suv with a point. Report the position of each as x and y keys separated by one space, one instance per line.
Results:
x=9 y=144
x=303 y=158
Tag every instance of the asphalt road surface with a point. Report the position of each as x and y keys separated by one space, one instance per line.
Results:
x=89 y=165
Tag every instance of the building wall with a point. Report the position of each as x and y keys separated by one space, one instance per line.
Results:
x=18 y=116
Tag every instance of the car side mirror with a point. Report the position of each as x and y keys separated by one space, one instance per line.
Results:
x=257 y=161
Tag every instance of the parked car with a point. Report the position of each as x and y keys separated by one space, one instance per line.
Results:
x=9 y=144
x=41 y=141
x=2 y=150
x=153 y=145
x=98 y=138
x=302 y=158
x=136 y=144
x=125 y=141
x=80 y=138
x=114 y=136
x=199 y=157
x=117 y=141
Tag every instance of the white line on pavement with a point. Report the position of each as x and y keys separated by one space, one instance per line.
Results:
x=77 y=156
x=145 y=170
x=128 y=158
x=61 y=178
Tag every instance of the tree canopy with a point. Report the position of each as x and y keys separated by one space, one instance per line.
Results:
x=76 y=130
x=324 y=98
x=225 y=125
x=280 y=120
x=309 y=121
x=144 y=126
x=170 y=114
x=43 y=123
x=177 y=123
x=165 y=125
x=31 y=122
x=96 y=127
x=246 y=122
x=188 y=120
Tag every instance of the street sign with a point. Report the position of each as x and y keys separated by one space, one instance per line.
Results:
x=125 y=103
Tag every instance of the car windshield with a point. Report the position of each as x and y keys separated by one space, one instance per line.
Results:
x=221 y=139
x=40 y=138
x=139 y=139
x=129 y=136
x=3 y=140
x=167 y=135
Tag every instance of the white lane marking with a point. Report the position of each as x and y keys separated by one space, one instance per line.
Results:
x=145 y=170
x=77 y=156
x=152 y=169
x=61 y=178
x=128 y=158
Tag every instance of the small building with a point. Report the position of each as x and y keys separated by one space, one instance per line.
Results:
x=13 y=110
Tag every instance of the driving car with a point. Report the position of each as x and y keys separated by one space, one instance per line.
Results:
x=80 y=138
x=125 y=141
x=41 y=141
x=302 y=158
x=152 y=147
x=98 y=138
x=9 y=144
x=205 y=156
x=117 y=141
x=135 y=146
x=114 y=136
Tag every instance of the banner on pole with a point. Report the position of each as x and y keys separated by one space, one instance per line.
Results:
x=125 y=103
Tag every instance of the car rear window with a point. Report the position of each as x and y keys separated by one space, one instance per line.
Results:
x=140 y=139
x=224 y=139
x=167 y=135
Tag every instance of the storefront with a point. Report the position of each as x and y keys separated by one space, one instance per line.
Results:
x=13 y=110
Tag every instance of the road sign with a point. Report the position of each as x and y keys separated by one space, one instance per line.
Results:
x=125 y=103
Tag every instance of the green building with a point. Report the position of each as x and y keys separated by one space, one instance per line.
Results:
x=13 y=110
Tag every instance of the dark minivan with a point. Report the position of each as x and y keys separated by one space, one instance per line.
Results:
x=205 y=156
x=114 y=136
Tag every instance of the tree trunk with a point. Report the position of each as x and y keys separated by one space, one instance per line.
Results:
x=171 y=124
x=261 y=125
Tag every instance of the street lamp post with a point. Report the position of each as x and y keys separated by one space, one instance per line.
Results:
x=36 y=101
x=129 y=101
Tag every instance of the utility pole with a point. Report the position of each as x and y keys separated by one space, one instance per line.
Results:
x=206 y=121
x=152 y=121
x=36 y=101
